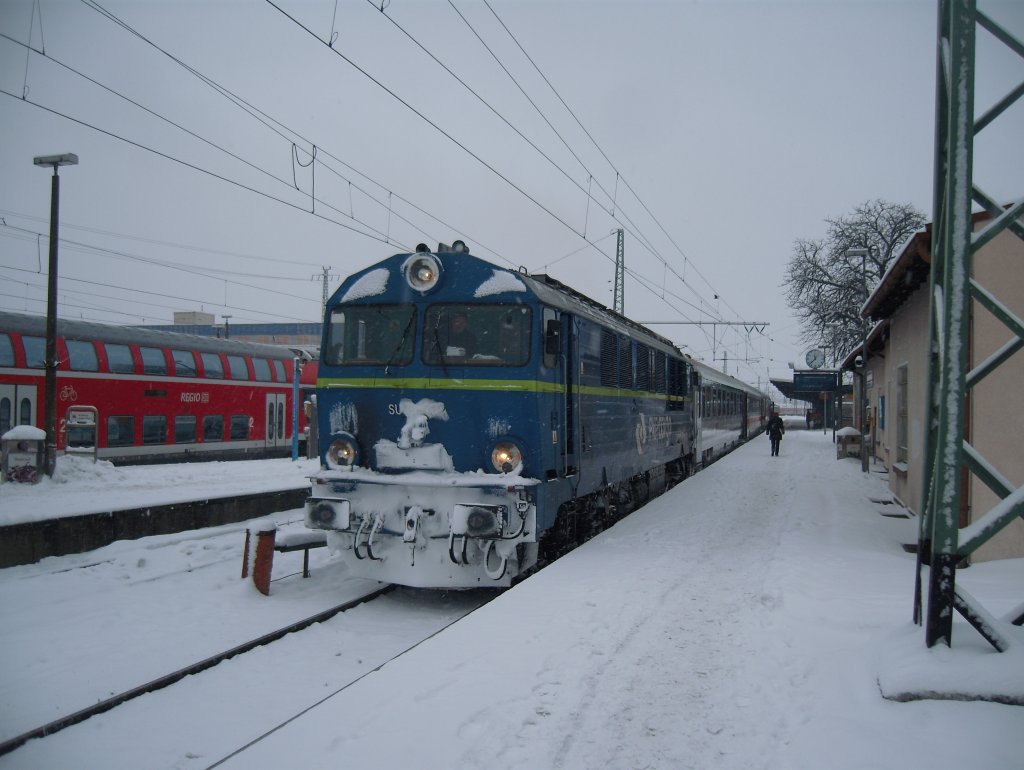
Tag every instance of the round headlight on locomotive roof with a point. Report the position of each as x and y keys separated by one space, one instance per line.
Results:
x=422 y=272
x=343 y=452
x=506 y=457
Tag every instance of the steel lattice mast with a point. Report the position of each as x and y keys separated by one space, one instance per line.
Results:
x=950 y=459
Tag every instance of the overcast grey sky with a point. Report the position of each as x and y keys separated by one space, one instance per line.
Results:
x=714 y=133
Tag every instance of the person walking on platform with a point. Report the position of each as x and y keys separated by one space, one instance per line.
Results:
x=775 y=430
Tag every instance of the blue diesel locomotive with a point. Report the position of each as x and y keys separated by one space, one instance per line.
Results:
x=475 y=421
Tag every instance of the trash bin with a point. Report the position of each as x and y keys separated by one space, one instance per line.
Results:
x=23 y=448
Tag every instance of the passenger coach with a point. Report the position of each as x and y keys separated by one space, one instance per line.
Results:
x=157 y=396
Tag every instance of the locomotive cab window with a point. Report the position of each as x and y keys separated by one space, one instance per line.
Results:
x=371 y=334
x=477 y=335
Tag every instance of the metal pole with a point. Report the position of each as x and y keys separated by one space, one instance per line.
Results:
x=50 y=387
x=50 y=380
x=864 y=370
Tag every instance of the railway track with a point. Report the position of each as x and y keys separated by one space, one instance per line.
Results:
x=164 y=681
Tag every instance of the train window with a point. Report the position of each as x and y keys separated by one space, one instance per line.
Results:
x=213 y=427
x=261 y=369
x=371 y=334
x=184 y=363
x=477 y=335
x=6 y=350
x=25 y=412
x=279 y=370
x=239 y=427
x=153 y=360
x=154 y=429
x=212 y=366
x=119 y=358
x=82 y=356
x=184 y=429
x=120 y=430
x=35 y=351
x=237 y=368
x=5 y=415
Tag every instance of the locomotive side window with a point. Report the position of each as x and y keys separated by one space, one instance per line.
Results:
x=119 y=358
x=477 y=335
x=35 y=351
x=237 y=367
x=261 y=369
x=212 y=366
x=213 y=427
x=82 y=356
x=6 y=350
x=184 y=429
x=153 y=361
x=184 y=363
x=239 y=427
x=120 y=430
x=154 y=429
x=371 y=334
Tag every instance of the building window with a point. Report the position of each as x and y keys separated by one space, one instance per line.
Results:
x=901 y=414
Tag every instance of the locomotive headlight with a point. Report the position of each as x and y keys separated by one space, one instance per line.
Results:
x=506 y=457
x=422 y=272
x=343 y=452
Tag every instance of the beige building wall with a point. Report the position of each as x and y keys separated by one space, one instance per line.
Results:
x=996 y=409
x=996 y=415
x=904 y=349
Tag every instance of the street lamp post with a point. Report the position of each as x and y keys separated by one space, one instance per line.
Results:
x=863 y=254
x=68 y=159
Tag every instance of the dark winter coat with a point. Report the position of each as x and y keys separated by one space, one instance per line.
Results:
x=775 y=428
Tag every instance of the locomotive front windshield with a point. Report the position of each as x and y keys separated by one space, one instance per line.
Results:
x=477 y=335
x=371 y=334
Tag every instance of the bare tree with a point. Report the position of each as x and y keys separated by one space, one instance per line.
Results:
x=827 y=287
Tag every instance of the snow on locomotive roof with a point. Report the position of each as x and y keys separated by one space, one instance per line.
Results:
x=35 y=325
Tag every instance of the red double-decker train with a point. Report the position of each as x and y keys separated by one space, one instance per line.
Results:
x=140 y=395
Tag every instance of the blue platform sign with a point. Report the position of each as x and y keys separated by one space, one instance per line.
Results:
x=815 y=381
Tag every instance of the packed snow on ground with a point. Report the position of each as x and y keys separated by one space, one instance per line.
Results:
x=756 y=616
